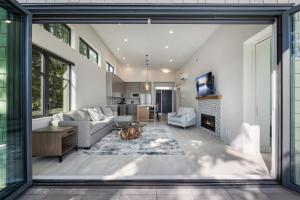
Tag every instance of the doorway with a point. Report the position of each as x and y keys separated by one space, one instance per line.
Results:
x=144 y=20
x=164 y=100
x=260 y=95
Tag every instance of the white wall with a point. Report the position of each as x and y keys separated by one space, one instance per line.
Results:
x=223 y=55
x=88 y=78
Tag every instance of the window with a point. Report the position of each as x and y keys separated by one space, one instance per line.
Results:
x=37 y=83
x=50 y=83
x=61 y=31
x=110 y=68
x=88 y=51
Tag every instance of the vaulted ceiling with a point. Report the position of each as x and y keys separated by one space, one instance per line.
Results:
x=168 y=45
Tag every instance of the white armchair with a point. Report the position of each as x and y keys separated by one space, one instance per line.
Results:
x=184 y=117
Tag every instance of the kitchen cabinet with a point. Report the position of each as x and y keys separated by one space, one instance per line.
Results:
x=131 y=109
x=115 y=86
x=118 y=86
x=131 y=87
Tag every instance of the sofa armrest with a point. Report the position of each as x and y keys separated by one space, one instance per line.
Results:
x=83 y=131
x=171 y=114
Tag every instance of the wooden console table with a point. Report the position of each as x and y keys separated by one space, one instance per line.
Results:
x=54 y=141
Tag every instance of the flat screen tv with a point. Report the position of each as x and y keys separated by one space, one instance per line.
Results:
x=205 y=84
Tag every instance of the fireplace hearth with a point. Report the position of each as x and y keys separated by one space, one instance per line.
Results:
x=208 y=121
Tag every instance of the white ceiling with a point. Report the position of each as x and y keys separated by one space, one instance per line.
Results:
x=151 y=39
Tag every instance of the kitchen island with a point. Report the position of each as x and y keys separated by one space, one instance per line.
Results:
x=146 y=113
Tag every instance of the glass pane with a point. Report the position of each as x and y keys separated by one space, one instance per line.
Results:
x=83 y=48
x=12 y=143
x=110 y=68
x=58 y=95
x=61 y=31
x=37 y=83
x=58 y=68
x=93 y=56
x=295 y=60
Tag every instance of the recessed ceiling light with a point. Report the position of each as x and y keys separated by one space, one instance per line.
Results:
x=171 y=32
x=165 y=71
x=171 y=60
x=8 y=21
x=118 y=49
x=125 y=40
x=124 y=58
x=166 y=47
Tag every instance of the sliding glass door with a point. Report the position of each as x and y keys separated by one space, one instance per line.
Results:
x=14 y=135
x=291 y=99
x=295 y=98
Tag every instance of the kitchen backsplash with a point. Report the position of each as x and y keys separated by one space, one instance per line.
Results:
x=133 y=100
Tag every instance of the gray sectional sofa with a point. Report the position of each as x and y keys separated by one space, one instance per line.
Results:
x=92 y=123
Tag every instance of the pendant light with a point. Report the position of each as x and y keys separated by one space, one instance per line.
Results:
x=147 y=84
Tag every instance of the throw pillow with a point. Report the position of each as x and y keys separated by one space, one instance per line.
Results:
x=100 y=111
x=95 y=115
x=85 y=114
x=57 y=117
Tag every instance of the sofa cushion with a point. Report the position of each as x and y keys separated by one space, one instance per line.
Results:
x=107 y=111
x=99 y=125
x=177 y=119
x=95 y=114
x=108 y=121
x=123 y=118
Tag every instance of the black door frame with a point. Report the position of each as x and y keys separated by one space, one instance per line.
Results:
x=163 y=14
x=26 y=94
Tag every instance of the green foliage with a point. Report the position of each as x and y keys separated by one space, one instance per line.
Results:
x=61 y=31
x=58 y=84
x=36 y=83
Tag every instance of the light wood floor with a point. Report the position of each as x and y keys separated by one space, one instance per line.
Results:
x=206 y=158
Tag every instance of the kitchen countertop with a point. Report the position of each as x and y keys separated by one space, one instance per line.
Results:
x=147 y=105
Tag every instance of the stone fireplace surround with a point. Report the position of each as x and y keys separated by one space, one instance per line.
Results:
x=210 y=105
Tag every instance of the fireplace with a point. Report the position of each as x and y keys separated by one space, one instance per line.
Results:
x=208 y=121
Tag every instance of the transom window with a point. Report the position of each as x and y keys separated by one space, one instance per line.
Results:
x=51 y=85
x=61 y=31
x=110 y=68
x=86 y=50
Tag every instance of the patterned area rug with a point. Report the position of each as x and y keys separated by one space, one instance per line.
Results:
x=156 y=139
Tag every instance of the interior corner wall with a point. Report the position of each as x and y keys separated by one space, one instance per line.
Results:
x=88 y=79
x=222 y=54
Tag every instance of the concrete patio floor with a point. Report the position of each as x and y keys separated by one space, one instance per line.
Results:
x=160 y=193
